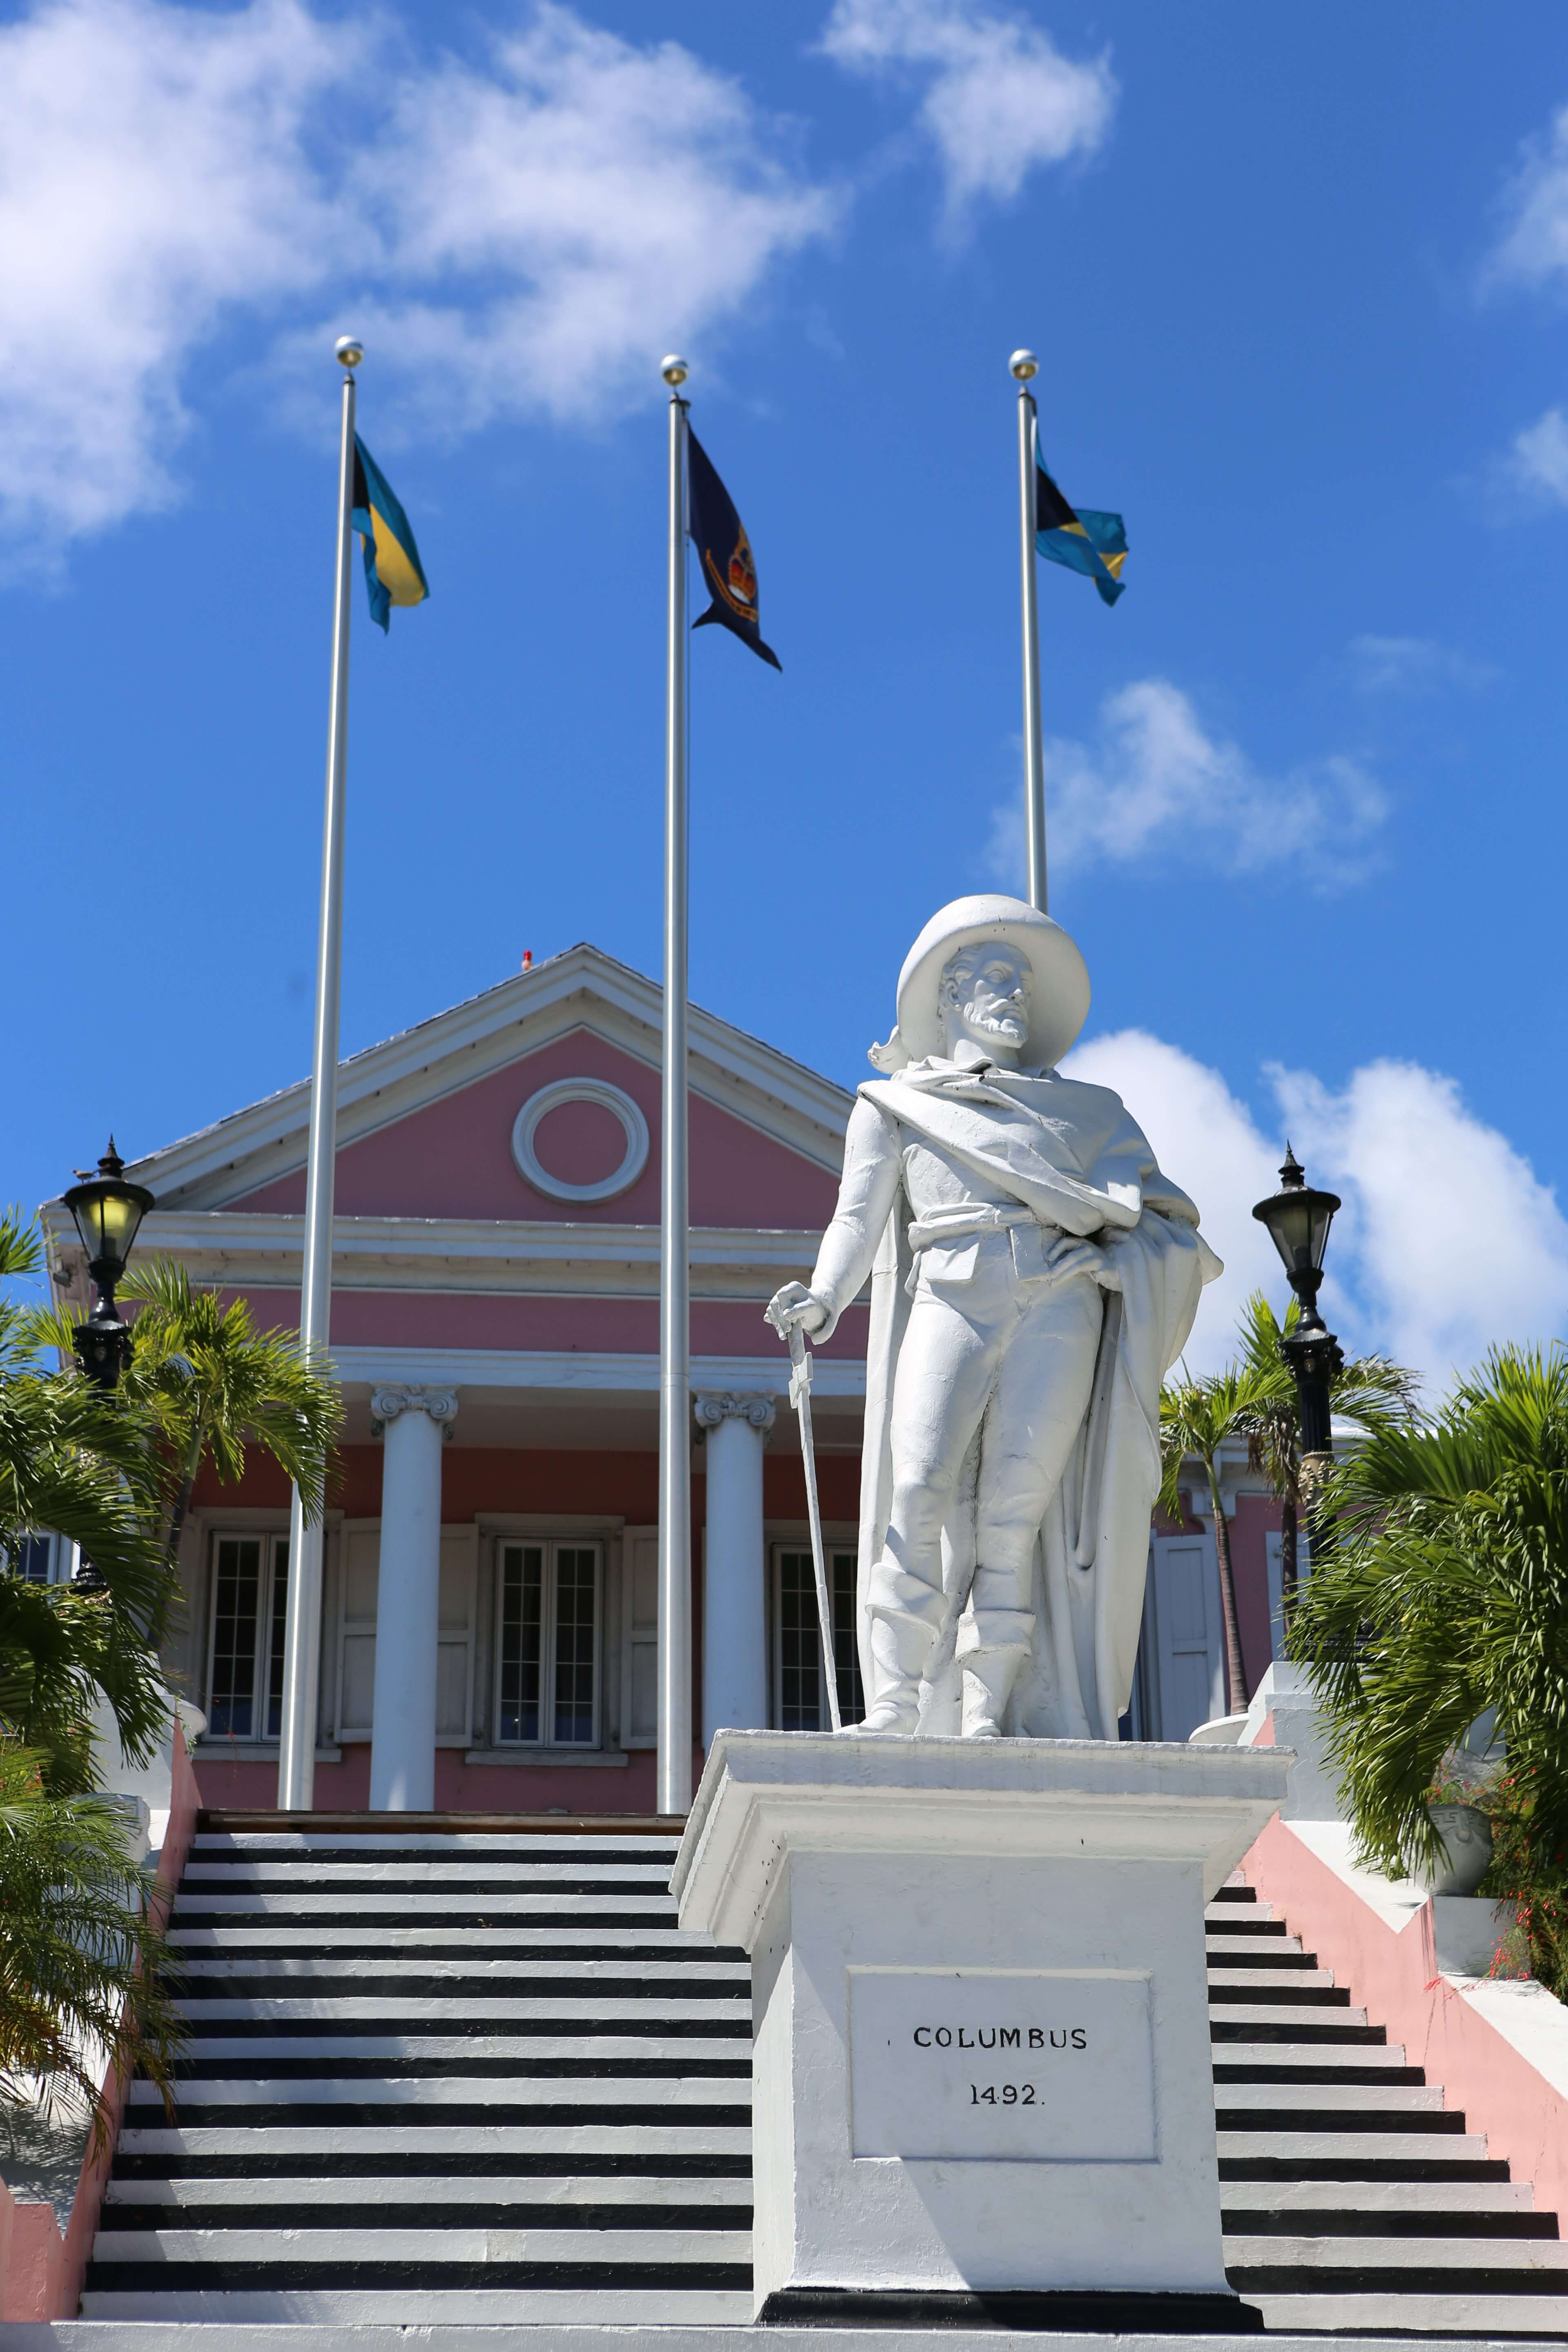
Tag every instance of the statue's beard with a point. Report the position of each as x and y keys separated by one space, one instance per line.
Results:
x=1008 y=1027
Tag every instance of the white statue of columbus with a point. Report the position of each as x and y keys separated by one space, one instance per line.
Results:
x=1034 y=1276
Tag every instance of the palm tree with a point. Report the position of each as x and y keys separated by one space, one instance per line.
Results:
x=1196 y=1418
x=211 y=1383
x=81 y=1942
x=1446 y=1596
x=115 y=1475
x=82 y=1953
x=85 y=1466
x=1368 y=1390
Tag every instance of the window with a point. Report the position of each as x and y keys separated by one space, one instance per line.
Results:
x=245 y=1657
x=798 y=1703
x=547 y=1651
x=38 y=1559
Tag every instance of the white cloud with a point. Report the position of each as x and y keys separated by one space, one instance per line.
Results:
x=1446 y=1242
x=1155 y=782
x=1538 y=461
x=1534 y=248
x=1415 y=666
x=595 y=201
x=1455 y=1241
x=1001 y=100
x=1207 y=1143
x=525 y=233
x=152 y=172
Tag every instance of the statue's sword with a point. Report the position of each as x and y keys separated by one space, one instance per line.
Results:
x=800 y=1398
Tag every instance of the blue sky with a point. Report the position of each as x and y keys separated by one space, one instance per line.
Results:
x=1298 y=288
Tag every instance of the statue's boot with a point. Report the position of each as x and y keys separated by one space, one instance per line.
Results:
x=993 y=1643
x=904 y=1615
x=988 y=1679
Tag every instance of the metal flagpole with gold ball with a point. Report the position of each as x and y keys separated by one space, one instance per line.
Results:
x=302 y=1632
x=674 y=1255
x=1024 y=367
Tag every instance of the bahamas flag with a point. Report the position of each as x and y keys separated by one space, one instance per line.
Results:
x=393 y=572
x=1081 y=538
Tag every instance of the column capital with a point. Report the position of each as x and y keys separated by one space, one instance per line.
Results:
x=388 y=1401
x=752 y=1407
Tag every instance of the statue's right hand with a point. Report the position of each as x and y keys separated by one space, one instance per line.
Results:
x=797 y=1307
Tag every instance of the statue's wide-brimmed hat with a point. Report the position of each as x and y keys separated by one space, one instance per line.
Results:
x=1059 y=988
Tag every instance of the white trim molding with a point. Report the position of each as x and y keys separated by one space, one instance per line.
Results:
x=604 y=1096
x=581 y=1368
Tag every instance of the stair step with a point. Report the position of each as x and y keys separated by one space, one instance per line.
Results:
x=313 y=2193
x=689 y=1972
x=1259 y=1983
x=1336 y=2219
x=1296 y=2016
x=1512 y=2266
x=1353 y=2060
x=466 y=2244
x=1332 y=2099
x=553 y=2092
x=387 y=2138
x=378 y=1937
x=411 y=2008
x=1384 y=2196
x=456 y=2306
x=1283 y=2144
x=263 y=1844
x=578 y=1874
x=1444 y=2314
x=419 y=1904
x=595 y=2051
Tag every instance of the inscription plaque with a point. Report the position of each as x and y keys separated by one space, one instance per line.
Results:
x=1041 y=2065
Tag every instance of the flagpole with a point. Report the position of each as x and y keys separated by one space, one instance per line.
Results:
x=674 y=1255
x=1023 y=367
x=303 y=1634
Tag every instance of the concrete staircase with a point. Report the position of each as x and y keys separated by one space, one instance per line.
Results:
x=1353 y=2201
x=440 y=2077
x=469 y=2076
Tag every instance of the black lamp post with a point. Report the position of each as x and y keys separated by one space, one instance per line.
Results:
x=108 y=1211
x=1298 y=1218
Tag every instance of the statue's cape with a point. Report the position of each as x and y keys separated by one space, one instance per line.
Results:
x=1071 y=1154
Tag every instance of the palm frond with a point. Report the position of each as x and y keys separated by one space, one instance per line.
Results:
x=82 y=1953
x=1448 y=1596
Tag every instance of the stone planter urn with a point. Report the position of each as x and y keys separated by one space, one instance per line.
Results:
x=1467 y=1847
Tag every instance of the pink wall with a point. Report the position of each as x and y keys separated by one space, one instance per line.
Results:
x=477 y=1478
x=1257 y=1517
x=1394 y=1974
x=505 y=1320
x=453 y=1158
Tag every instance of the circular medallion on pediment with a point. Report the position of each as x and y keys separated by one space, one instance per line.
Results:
x=557 y=1154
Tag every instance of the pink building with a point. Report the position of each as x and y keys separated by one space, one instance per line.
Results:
x=495 y=1326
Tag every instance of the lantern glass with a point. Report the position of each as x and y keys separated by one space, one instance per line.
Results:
x=1297 y=1217
x=108 y=1213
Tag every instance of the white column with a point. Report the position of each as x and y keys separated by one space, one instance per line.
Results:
x=734 y=1589
x=403 y=1743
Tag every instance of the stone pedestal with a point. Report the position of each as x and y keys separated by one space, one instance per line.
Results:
x=983 y=2072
